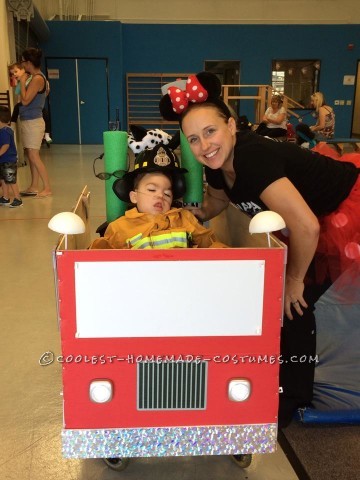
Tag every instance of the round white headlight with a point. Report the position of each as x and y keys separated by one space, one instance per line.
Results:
x=265 y=222
x=100 y=391
x=67 y=223
x=239 y=390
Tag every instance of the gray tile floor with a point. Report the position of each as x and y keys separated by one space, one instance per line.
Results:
x=31 y=403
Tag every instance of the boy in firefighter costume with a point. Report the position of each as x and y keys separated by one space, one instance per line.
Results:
x=157 y=180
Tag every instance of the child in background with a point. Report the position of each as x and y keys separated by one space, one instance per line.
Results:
x=155 y=182
x=16 y=70
x=8 y=161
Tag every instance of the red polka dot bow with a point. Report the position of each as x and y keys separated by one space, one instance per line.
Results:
x=194 y=93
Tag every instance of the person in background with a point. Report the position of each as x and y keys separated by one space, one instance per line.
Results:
x=8 y=161
x=325 y=124
x=275 y=119
x=15 y=72
x=32 y=125
x=46 y=117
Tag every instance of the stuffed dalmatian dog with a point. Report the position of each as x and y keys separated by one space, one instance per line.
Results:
x=139 y=138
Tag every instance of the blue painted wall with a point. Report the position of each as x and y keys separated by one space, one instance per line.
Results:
x=140 y=48
x=89 y=40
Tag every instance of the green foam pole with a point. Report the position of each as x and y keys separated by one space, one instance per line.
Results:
x=115 y=158
x=193 y=179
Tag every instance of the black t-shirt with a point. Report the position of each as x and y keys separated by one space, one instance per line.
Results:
x=323 y=182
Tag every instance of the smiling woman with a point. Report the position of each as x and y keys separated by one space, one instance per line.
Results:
x=212 y=138
x=257 y=174
x=306 y=189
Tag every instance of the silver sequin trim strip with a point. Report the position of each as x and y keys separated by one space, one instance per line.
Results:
x=169 y=441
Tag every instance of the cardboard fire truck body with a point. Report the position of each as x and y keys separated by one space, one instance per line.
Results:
x=170 y=352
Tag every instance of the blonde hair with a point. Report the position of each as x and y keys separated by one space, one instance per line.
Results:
x=318 y=100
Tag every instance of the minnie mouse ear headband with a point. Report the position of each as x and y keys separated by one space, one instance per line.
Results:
x=200 y=88
x=159 y=159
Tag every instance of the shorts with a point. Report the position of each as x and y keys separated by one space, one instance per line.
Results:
x=8 y=172
x=32 y=133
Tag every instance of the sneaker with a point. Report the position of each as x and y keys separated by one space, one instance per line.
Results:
x=47 y=138
x=16 y=203
x=4 y=201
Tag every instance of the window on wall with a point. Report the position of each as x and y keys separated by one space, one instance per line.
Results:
x=297 y=79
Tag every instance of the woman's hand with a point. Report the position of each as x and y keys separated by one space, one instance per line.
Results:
x=23 y=78
x=199 y=213
x=282 y=197
x=214 y=202
x=294 y=300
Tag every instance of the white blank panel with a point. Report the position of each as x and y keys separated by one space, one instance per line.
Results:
x=169 y=298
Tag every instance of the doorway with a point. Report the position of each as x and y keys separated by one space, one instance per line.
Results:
x=228 y=72
x=78 y=100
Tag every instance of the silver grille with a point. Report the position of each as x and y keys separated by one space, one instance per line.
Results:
x=171 y=385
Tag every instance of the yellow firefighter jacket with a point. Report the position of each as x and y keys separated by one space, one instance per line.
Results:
x=177 y=228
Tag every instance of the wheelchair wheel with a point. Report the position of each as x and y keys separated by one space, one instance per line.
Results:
x=242 y=461
x=117 y=464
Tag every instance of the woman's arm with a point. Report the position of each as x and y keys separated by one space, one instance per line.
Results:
x=282 y=197
x=265 y=118
x=277 y=120
x=278 y=117
x=35 y=86
x=201 y=236
x=4 y=148
x=215 y=201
